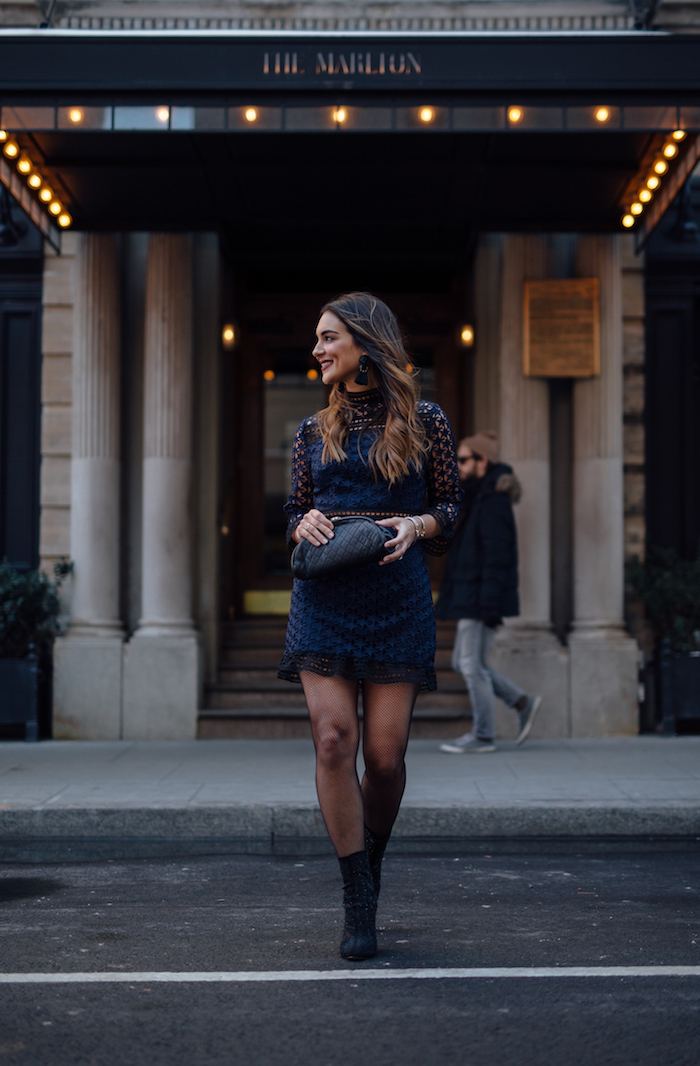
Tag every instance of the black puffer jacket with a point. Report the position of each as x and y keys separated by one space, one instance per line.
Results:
x=481 y=571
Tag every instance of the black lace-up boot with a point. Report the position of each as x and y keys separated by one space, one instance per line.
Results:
x=375 y=848
x=360 y=901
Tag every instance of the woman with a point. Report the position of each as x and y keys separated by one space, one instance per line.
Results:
x=375 y=450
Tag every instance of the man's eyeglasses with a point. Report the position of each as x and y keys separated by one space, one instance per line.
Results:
x=468 y=458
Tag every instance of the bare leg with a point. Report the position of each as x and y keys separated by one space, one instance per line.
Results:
x=387 y=719
x=332 y=703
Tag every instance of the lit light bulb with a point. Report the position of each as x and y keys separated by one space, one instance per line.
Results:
x=24 y=164
x=11 y=149
x=64 y=219
x=250 y=114
x=467 y=336
x=515 y=114
x=636 y=208
x=627 y=221
x=163 y=114
x=660 y=166
x=3 y=135
x=340 y=114
x=679 y=135
x=653 y=182
x=427 y=114
x=55 y=207
x=269 y=375
x=75 y=114
x=645 y=195
x=45 y=194
x=670 y=150
x=34 y=180
x=228 y=336
x=312 y=375
x=409 y=368
x=602 y=114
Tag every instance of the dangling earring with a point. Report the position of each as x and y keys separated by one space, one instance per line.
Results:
x=361 y=378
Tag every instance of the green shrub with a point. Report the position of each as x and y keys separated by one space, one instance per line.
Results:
x=669 y=588
x=29 y=608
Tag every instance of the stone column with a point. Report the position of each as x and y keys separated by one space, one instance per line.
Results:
x=161 y=667
x=603 y=657
x=87 y=680
x=526 y=649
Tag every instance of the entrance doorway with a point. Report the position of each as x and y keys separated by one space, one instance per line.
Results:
x=275 y=383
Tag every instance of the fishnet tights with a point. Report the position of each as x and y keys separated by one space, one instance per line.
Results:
x=346 y=806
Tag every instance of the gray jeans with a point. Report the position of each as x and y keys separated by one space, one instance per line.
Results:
x=472 y=645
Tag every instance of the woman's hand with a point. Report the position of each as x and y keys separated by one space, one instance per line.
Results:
x=315 y=528
x=405 y=536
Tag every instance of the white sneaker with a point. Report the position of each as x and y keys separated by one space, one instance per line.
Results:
x=527 y=717
x=468 y=743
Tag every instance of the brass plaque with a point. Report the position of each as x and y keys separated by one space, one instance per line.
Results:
x=562 y=328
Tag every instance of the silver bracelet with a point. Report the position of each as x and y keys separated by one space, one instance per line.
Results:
x=420 y=533
x=415 y=526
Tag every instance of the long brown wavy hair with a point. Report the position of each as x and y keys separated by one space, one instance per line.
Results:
x=402 y=445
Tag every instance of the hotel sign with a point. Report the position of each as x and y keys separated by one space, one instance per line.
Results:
x=561 y=328
x=325 y=64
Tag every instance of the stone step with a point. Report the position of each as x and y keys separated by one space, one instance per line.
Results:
x=259 y=679
x=257 y=658
x=222 y=698
x=291 y=723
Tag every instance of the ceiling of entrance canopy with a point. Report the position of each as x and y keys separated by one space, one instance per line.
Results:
x=346 y=147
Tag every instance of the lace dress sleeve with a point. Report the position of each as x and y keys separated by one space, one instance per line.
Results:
x=301 y=498
x=444 y=495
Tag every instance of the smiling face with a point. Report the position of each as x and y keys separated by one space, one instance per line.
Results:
x=337 y=353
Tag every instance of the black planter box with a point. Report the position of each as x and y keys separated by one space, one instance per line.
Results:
x=19 y=684
x=680 y=687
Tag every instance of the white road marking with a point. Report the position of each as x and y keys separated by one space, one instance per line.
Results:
x=257 y=976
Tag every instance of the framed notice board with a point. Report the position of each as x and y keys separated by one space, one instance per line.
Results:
x=562 y=328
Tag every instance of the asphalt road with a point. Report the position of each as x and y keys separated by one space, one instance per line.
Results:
x=630 y=908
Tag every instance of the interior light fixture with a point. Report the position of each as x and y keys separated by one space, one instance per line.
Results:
x=660 y=166
x=426 y=114
x=55 y=207
x=250 y=114
x=679 y=135
x=34 y=180
x=11 y=149
x=24 y=165
x=162 y=114
x=312 y=375
x=64 y=219
x=269 y=375
x=653 y=182
x=45 y=194
x=671 y=150
x=645 y=195
x=228 y=336
x=628 y=221
x=515 y=114
x=637 y=208
x=75 y=114
x=340 y=114
x=602 y=114
x=467 y=336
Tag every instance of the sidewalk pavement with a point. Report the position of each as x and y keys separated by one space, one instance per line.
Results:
x=87 y=799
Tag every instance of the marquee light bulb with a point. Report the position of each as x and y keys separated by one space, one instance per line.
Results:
x=75 y=114
x=671 y=150
x=645 y=195
x=679 y=135
x=628 y=221
x=24 y=164
x=64 y=219
x=269 y=375
x=515 y=114
x=250 y=114
x=46 y=194
x=11 y=149
x=34 y=180
x=427 y=114
x=467 y=336
x=653 y=182
x=636 y=208
x=409 y=368
x=228 y=336
x=660 y=166
x=163 y=114
x=312 y=375
x=602 y=114
x=55 y=207
x=3 y=135
x=340 y=114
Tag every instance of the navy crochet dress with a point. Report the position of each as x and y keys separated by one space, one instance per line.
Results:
x=374 y=622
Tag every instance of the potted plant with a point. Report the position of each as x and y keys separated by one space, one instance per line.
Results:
x=29 y=610
x=669 y=588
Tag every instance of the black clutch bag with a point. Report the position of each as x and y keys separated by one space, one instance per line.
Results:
x=358 y=540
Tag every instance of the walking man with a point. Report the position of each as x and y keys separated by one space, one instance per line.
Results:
x=480 y=588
